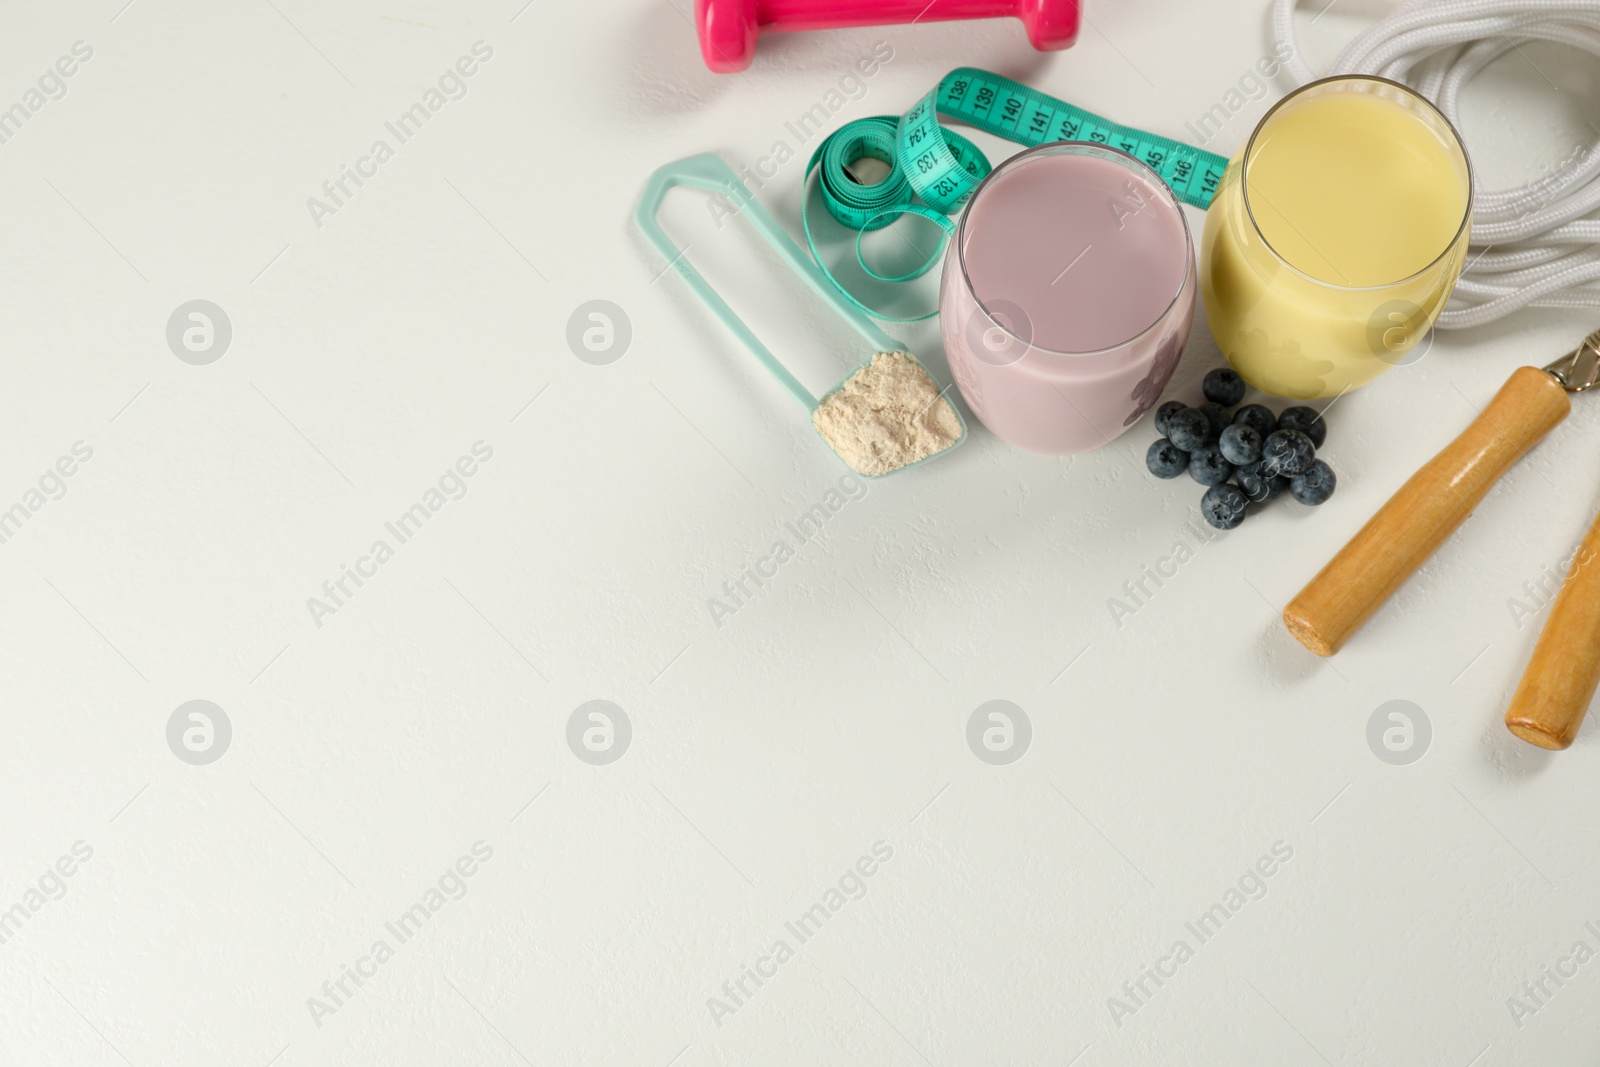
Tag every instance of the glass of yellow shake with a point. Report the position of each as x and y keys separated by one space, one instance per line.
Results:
x=1336 y=237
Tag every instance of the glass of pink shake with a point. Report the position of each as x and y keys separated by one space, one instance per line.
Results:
x=1069 y=295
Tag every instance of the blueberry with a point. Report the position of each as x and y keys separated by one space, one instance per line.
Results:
x=1223 y=386
x=1287 y=452
x=1207 y=466
x=1257 y=484
x=1258 y=417
x=1188 y=429
x=1314 y=484
x=1223 y=506
x=1217 y=416
x=1307 y=421
x=1240 y=444
x=1166 y=411
x=1165 y=459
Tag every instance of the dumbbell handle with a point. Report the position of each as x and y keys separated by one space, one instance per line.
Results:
x=782 y=16
x=728 y=28
x=1425 y=511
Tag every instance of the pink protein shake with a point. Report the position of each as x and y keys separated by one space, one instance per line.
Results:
x=1068 y=297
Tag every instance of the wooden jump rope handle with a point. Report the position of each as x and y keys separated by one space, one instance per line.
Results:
x=1425 y=511
x=1559 y=682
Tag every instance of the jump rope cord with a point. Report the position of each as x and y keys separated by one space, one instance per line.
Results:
x=1533 y=245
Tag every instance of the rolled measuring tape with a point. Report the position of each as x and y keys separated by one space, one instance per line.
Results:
x=941 y=168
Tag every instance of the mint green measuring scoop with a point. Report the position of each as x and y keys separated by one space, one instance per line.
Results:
x=711 y=173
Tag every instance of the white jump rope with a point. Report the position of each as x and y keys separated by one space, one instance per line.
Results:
x=1532 y=246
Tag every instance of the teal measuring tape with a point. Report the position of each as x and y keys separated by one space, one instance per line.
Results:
x=940 y=168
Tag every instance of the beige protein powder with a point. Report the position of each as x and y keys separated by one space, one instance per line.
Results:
x=887 y=415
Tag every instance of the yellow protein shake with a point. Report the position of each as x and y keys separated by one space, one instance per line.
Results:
x=1336 y=237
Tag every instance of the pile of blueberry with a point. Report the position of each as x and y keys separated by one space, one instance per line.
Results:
x=1263 y=454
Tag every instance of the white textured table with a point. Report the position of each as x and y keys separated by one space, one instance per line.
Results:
x=394 y=796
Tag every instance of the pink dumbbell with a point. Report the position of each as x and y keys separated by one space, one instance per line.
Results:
x=728 y=28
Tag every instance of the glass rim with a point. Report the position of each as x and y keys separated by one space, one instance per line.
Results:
x=1461 y=147
x=1090 y=148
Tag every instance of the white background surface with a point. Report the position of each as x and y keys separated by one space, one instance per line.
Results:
x=768 y=754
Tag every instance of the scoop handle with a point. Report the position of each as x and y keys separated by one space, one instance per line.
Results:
x=1559 y=682
x=1425 y=511
x=711 y=173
